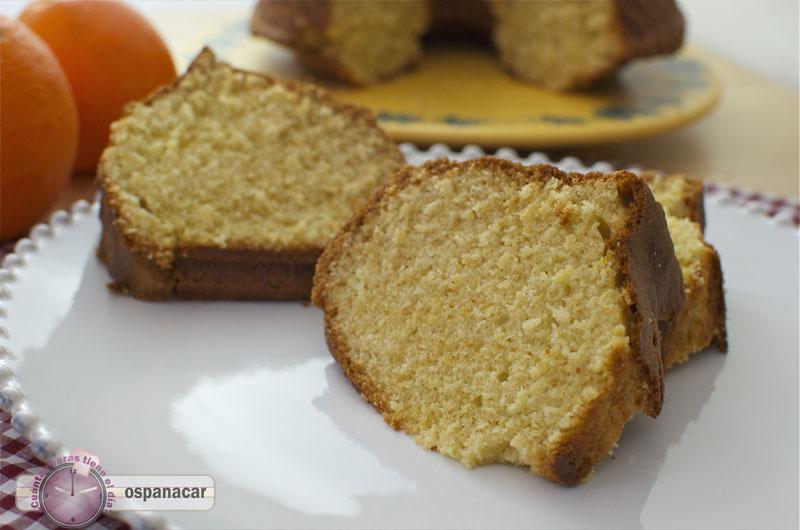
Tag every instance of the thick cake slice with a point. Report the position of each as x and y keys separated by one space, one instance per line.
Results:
x=701 y=321
x=504 y=313
x=228 y=185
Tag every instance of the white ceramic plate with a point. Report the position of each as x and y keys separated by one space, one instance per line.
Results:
x=248 y=393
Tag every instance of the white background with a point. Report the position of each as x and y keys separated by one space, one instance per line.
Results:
x=759 y=34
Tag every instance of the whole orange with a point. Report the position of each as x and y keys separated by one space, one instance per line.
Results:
x=38 y=129
x=111 y=54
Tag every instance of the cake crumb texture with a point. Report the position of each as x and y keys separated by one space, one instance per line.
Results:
x=681 y=196
x=701 y=321
x=229 y=159
x=489 y=310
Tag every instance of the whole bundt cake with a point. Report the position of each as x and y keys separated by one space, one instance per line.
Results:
x=559 y=44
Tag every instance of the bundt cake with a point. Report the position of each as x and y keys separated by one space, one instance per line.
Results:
x=559 y=44
x=228 y=185
x=701 y=320
x=504 y=313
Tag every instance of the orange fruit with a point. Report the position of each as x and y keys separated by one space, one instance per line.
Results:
x=38 y=129
x=111 y=54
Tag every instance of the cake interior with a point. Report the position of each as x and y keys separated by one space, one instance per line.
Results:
x=488 y=314
x=689 y=245
x=562 y=44
x=698 y=323
x=376 y=39
x=229 y=159
x=677 y=194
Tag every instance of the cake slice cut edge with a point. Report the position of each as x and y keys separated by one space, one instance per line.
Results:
x=701 y=321
x=679 y=195
x=477 y=380
x=227 y=184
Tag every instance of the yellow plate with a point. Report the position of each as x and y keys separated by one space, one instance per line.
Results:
x=461 y=95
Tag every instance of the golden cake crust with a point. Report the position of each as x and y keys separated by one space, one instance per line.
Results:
x=203 y=272
x=649 y=274
x=649 y=27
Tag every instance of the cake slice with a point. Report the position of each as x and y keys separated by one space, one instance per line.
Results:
x=701 y=321
x=504 y=313
x=228 y=184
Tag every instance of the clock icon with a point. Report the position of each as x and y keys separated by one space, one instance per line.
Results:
x=71 y=500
